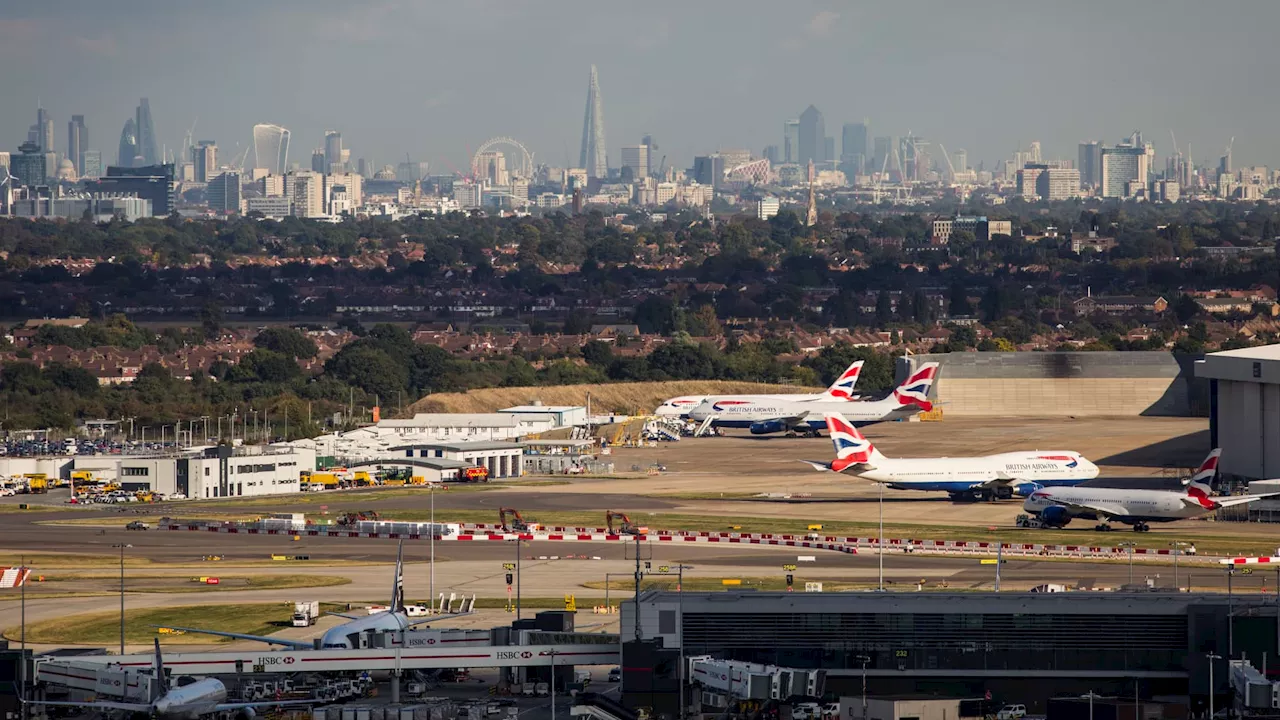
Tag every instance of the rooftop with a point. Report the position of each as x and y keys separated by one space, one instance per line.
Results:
x=465 y=446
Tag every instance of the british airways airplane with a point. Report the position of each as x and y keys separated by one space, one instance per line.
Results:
x=965 y=478
x=763 y=416
x=841 y=389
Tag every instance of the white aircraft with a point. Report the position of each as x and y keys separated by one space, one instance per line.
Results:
x=347 y=635
x=841 y=389
x=763 y=416
x=1056 y=507
x=190 y=698
x=965 y=478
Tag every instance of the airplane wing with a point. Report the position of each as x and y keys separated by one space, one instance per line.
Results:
x=264 y=703
x=295 y=644
x=343 y=615
x=819 y=466
x=1230 y=501
x=106 y=704
x=423 y=621
x=1108 y=511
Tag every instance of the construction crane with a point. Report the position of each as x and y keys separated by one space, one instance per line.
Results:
x=662 y=168
x=517 y=520
x=947 y=156
x=626 y=527
x=884 y=168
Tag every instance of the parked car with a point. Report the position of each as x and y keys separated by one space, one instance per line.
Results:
x=615 y=675
x=1012 y=712
x=137 y=525
x=176 y=496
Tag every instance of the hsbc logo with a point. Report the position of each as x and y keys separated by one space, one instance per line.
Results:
x=514 y=655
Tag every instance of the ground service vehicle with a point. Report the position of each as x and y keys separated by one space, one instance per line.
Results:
x=517 y=521
x=305 y=614
x=1012 y=712
x=626 y=528
x=137 y=525
x=475 y=474
x=37 y=483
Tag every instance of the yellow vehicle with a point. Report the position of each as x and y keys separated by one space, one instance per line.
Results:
x=328 y=480
x=417 y=480
x=82 y=477
x=110 y=487
x=145 y=496
x=37 y=483
x=362 y=478
x=395 y=482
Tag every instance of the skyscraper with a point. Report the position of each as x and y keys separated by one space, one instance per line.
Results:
x=853 y=148
x=882 y=154
x=146 y=130
x=42 y=132
x=271 y=148
x=636 y=159
x=1123 y=165
x=1090 y=163
x=333 y=161
x=92 y=164
x=224 y=193
x=960 y=160
x=77 y=142
x=791 y=141
x=29 y=166
x=813 y=136
x=128 y=144
x=594 y=156
x=653 y=150
x=318 y=161
x=204 y=159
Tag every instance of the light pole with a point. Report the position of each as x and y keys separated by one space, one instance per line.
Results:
x=1129 y=547
x=553 y=685
x=880 y=542
x=1212 y=657
x=1176 y=545
x=864 y=659
x=1231 y=622
x=432 y=593
x=122 y=546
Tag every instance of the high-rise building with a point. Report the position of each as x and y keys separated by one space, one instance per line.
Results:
x=128 y=144
x=813 y=136
x=204 y=160
x=318 y=163
x=1033 y=154
x=42 y=132
x=149 y=182
x=708 y=170
x=410 y=171
x=594 y=156
x=1058 y=183
x=883 y=154
x=635 y=158
x=77 y=141
x=306 y=190
x=224 y=193
x=146 y=129
x=1028 y=175
x=771 y=154
x=1123 y=165
x=853 y=148
x=29 y=166
x=960 y=160
x=791 y=141
x=333 y=161
x=92 y=164
x=1089 y=163
x=351 y=184
x=492 y=166
x=271 y=148
x=362 y=167
x=652 y=144
x=828 y=149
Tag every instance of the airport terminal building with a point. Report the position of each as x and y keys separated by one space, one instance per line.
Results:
x=1244 y=417
x=1014 y=645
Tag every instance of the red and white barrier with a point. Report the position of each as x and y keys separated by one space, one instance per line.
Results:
x=1251 y=561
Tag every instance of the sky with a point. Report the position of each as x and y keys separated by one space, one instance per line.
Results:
x=435 y=79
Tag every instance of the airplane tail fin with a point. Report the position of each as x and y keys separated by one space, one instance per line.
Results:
x=1208 y=469
x=915 y=389
x=161 y=685
x=851 y=447
x=842 y=388
x=397 y=590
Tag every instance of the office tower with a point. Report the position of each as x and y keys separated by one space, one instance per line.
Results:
x=42 y=132
x=813 y=134
x=318 y=163
x=636 y=158
x=1033 y=154
x=1122 y=165
x=333 y=151
x=146 y=131
x=791 y=141
x=352 y=185
x=410 y=172
x=708 y=170
x=492 y=166
x=771 y=154
x=594 y=156
x=853 y=148
x=150 y=182
x=77 y=140
x=92 y=164
x=882 y=154
x=204 y=160
x=1089 y=163
x=271 y=148
x=1058 y=183
x=734 y=157
x=224 y=193
x=648 y=141
x=960 y=160
x=29 y=166
x=128 y=144
x=1028 y=176
x=362 y=167
x=828 y=149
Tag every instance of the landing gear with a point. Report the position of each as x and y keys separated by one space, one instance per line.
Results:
x=791 y=433
x=1102 y=527
x=813 y=434
x=1141 y=527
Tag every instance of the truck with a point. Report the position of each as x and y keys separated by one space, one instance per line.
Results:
x=305 y=614
x=37 y=483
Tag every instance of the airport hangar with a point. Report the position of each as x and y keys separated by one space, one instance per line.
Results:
x=1018 y=646
x=1244 y=415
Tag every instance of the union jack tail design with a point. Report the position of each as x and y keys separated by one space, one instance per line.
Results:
x=1208 y=469
x=842 y=388
x=851 y=447
x=915 y=390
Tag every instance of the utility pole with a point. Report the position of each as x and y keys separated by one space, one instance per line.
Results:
x=636 y=600
x=433 y=544
x=22 y=692
x=1212 y=657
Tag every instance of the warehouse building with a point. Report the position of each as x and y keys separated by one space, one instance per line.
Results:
x=1078 y=384
x=221 y=471
x=1013 y=645
x=1244 y=415
x=502 y=459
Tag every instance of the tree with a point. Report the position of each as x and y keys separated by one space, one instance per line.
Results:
x=884 y=310
x=286 y=341
x=369 y=368
x=577 y=323
x=597 y=353
x=657 y=314
x=703 y=322
x=831 y=361
x=1185 y=308
x=959 y=305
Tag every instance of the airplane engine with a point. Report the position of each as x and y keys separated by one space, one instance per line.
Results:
x=1025 y=489
x=1055 y=515
x=768 y=426
x=246 y=714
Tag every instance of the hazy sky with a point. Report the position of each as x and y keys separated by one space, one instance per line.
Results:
x=437 y=78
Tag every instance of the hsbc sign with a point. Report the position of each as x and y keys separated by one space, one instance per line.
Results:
x=514 y=655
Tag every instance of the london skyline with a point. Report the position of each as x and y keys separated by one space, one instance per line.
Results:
x=696 y=77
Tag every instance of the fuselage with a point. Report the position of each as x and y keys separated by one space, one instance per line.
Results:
x=347 y=635
x=746 y=411
x=191 y=701
x=1122 y=505
x=1050 y=468
x=680 y=406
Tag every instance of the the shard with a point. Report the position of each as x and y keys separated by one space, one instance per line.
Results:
x=147 y=146
x=595 y=156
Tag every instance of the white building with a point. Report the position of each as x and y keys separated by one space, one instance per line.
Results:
x=636 y=157
x=1125 y=164
x=501 y=459
x=767 y=207
x=1056 y=183
x=560 y=416
x=220 y=471
x=306 y=189
x=276 y=207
